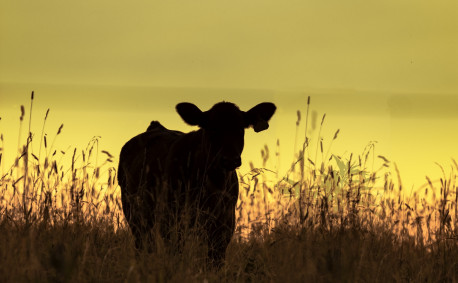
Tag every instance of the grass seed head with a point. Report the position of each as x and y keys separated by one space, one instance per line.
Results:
x=335 y=135
x=22 y=113
x=60 y=129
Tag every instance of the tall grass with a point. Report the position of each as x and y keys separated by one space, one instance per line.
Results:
x=39 y=188
x=333 y=218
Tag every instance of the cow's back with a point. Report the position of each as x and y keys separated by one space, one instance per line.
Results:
x=143 y=158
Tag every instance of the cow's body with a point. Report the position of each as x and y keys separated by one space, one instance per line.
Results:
x=175 y=181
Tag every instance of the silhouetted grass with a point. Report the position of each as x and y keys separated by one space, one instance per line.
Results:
x=329 y=219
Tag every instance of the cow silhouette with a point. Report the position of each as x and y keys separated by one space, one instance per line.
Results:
x=171 y=181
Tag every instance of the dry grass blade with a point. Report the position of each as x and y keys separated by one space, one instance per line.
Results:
x=107 y=153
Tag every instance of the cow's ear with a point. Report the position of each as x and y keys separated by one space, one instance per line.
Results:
x=259 y=116
x=190 y=113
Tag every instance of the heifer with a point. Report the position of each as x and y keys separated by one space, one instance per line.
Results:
x=171 y=180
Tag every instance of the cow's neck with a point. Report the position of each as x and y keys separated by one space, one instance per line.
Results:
x=209 y=167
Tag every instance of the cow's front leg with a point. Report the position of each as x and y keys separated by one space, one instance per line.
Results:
x=219 y=237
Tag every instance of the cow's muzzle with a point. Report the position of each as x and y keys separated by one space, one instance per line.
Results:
x=231 y=163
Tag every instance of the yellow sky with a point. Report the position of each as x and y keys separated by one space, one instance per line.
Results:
x=413 y=130
x=380 y=70
x=377 y=45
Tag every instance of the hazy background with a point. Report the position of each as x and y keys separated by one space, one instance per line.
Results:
x=382 y=71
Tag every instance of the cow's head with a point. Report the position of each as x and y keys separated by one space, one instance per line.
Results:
x=224 y=127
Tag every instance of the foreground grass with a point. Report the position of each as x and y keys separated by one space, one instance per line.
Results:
x=330 y=219
x=95 y=252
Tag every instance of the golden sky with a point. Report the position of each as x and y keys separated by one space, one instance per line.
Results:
x=371 y=45
x=380 y=70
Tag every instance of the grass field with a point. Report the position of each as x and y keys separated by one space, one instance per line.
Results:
x=346 y=219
